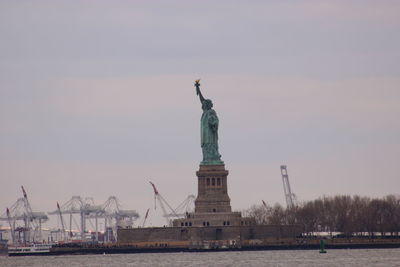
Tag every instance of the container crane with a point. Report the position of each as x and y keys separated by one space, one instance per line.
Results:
x=111 y=210
x=162 y=202
x=32 y=221
x=28 y=205
x=11 y=226
x=62 y=222
x=178 y=212
x=289 y=196
x=29 y=211
x=184 y=207
x=21 y=211
x=34 y=218
x=72 y=206
x=264 y=204
x=145 y=217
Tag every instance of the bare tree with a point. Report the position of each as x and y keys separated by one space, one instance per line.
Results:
x=349 y=215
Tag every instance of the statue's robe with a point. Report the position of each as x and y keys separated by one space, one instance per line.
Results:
x=209 y=137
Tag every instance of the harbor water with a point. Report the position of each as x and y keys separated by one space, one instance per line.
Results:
x=298 y=258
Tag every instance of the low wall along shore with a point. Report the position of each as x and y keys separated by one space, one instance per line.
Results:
x=195 y=234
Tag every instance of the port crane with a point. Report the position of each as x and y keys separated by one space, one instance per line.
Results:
x=162 y=202
x=11 y=225
x=289 y=196
x=264 y=204
x=62 y=222
x=32 y=221
x=145 y=217
x=178 y=212
x=186 y=206
x=77 y=205
x=71 y=207
x=110 y=211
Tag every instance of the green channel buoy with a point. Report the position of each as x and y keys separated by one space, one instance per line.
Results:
x=322 y=246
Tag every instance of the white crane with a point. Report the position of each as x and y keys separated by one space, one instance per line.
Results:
x=32 y=221
x=11 y=226
x=160 y=199
x=110 y=211
x=289 y=196
x=145 y=217
x=178 y=212
x=62 y=222
x=74 y=206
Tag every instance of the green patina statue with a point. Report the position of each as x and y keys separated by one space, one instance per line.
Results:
x=209 y=131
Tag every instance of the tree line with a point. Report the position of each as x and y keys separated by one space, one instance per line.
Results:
x=348 y=215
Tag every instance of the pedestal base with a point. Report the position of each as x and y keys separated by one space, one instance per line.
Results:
x=212 y=194
x=213 y=205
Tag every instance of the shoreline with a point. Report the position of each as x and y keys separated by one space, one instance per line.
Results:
x=87 y=249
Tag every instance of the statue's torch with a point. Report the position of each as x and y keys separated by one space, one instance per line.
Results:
x=197 y=84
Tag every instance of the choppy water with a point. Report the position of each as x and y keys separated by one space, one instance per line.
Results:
x=339 y=257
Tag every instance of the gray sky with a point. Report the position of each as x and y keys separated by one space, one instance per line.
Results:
x=97 y=98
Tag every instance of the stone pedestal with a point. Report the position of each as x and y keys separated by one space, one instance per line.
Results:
x=213 y=205
x=212 y=193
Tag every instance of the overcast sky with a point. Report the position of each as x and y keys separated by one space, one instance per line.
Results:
x=97 y=98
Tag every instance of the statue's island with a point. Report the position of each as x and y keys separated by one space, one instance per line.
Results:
x=212 y=223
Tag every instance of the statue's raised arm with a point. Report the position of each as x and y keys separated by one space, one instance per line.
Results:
x=198 y=92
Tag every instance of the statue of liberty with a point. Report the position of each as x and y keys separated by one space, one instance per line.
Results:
x=208 y=131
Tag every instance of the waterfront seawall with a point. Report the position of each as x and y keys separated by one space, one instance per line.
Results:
x=200 y=234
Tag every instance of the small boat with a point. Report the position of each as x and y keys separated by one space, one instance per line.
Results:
x=28 y=250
